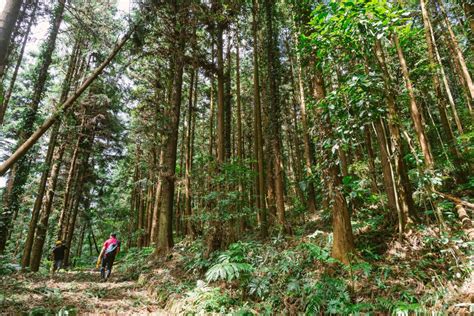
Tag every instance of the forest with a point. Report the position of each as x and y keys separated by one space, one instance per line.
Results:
x=296 y=157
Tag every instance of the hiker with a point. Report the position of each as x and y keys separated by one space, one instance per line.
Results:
x=107 y=256
x=58 y=255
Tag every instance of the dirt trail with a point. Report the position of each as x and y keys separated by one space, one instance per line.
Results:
x=74 y=291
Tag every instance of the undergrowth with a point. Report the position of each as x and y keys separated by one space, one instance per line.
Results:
x=296 y=274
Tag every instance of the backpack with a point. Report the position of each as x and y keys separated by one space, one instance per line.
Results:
x=112 y=248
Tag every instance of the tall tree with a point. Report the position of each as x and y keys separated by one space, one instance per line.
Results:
x=19 y=174
x=406 y=211
x=440 y=100
x=458 y=53
x=189 y=151
x=414 y=109
x=42 y=227
x=48 y=163
x=170 y=142
x=343 y=240
x=260 y=179
x=275 y=120
x=9 y=91
x=8 y=18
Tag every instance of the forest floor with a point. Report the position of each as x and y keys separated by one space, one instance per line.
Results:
x=429 y=271
x=68 y=292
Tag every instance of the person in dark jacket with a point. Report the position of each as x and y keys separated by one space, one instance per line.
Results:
x=58 y=255
x=107 y=256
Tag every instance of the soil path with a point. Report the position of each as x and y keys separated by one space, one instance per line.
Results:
x=74 y=291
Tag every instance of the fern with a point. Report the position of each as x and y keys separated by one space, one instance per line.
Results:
x=228 y=271
x=259 y=287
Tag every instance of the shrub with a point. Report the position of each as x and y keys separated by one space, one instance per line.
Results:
x=329 y=295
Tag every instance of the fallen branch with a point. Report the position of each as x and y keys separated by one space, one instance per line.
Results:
x=23 y=149
x=455 y=199
x=463 y=217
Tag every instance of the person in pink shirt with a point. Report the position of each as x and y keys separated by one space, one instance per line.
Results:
x=107 y=256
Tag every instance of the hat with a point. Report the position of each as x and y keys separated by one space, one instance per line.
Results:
x=59 y=242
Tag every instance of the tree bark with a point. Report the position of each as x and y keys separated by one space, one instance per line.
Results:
x=240 y=145
x=240 y=148
x=275 y=118
x=260 y=187
x=81 y=240
x=308 y=145
x=71 y=225
x=447 y=88
x=70 y=180
x=437 y=86
x=6 y=100
x=215 y=234
x=149 y=211
x=457 y=67
x=141 y=202
x=343 y=240
x=77 y=196
x=189 y=158
x=270 y=181
x=387 y=169
x=39 y=197
x=371 y=160
x=212 y=110
x=403 y=186
x=95 y=241
x=299 y=98
x=8 y=18
x=156 y=207
x=414 y=111
x=42 y=226
x=228 y=104
x=135 y=196
x=294 y=141
x=220 y=99
x=170 y=144
x=458 y=53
